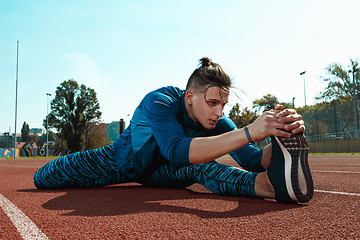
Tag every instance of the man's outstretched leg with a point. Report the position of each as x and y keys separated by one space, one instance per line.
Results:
x=91 y=168
x=218 y=178
x=288 y=178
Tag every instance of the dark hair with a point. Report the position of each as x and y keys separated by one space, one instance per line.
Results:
x=209 y=74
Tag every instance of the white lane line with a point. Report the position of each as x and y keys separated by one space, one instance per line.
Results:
x=337 y=164
x=26 y=227
x=326 y=171
x=340 y=193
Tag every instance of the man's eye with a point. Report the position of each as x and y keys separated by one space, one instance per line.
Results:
x=213 y=103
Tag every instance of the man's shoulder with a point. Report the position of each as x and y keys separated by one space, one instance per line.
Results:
x=165 y=99
x=165 y=95
x=169 y=91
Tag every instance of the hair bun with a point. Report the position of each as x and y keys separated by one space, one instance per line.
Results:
x=205 y=61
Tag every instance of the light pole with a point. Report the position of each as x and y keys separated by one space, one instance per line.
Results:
x=356 y=123
x=306 y=122
x=47 y=124
x=293 y=102
x=16 y=94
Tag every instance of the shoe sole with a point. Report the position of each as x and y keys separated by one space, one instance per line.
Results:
x=295 y=150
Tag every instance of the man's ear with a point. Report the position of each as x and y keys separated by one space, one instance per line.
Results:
x=188 y=96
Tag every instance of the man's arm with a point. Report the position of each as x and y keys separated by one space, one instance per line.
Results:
x=206 y=149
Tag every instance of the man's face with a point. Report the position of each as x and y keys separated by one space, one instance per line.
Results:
x=206 y=107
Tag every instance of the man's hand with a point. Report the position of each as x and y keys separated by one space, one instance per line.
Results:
x=276 y=122
x=292 y=120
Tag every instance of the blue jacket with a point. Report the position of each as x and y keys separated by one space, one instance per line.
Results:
x=161 y=131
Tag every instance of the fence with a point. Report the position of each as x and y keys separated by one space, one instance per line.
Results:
x=331 y=122
x=31 y=152
x=335 y=146
x=331 y=128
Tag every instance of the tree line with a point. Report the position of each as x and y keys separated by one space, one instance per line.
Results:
x=339 y=89
x=75 y=111
x=31 y=138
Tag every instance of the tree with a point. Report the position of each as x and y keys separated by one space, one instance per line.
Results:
x=72 y=109
x=268 y=102
x=51 y=136
x=241 y=118
x=34 y=137
x=265 y=103
x=340 y=86
x=42 y=140
x=25 y=131
x=318 y=116
x=96 y=135
x=59 y=141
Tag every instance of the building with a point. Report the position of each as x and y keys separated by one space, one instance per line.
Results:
x=7 y=139
x=115 y=128
x=39 y=131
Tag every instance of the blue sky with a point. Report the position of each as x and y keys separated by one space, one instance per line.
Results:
x=124 y=49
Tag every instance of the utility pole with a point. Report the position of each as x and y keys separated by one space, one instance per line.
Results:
x=306 y=122
x=17 y=77
x=47 y=124
x=293 y=102
x=356 y=122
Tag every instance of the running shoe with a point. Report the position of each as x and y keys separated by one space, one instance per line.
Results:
x=289 y=171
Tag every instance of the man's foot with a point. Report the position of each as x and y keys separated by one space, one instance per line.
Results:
x=289 y=170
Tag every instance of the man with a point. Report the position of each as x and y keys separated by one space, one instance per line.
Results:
x=175 y=136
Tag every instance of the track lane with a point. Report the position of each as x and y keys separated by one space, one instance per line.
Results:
x=130 y=211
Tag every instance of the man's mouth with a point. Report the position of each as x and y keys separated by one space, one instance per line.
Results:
x=213 y=121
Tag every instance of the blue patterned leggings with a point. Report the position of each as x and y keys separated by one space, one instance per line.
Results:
x=96 y=168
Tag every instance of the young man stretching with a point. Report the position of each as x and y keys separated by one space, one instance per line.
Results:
x=175 y=136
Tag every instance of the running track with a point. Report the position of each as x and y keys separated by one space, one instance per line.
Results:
x=130 y=211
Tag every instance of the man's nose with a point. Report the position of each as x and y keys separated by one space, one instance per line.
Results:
x=219 y=111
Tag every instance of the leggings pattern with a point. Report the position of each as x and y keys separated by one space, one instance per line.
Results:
x=91 y=168
x=218 y=178
x=96 y=168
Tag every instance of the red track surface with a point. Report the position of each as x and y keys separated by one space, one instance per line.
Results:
x=130 y=211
